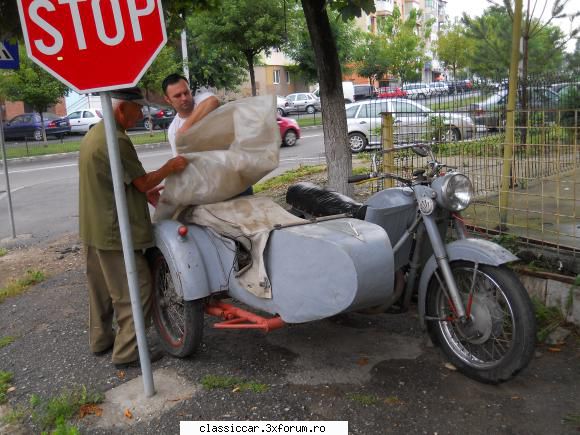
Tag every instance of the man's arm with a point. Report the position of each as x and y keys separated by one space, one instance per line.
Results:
x=199 y=112
x=150 y=180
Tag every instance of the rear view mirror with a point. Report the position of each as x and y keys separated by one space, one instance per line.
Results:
x=421 y=150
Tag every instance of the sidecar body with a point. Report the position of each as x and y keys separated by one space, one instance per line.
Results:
x=315 y=270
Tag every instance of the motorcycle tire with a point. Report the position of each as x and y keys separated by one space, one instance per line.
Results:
x=498 y=340
x=179 y=323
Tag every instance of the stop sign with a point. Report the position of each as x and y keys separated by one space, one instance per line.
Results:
x=93 y=45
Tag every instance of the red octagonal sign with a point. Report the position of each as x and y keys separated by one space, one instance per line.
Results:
x=93 y=45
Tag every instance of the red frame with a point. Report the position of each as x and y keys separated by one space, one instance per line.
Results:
x=237 y=318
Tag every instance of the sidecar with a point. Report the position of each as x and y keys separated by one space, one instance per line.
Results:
x=316 y=270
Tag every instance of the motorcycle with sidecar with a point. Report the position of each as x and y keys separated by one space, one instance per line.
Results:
x=341 y=256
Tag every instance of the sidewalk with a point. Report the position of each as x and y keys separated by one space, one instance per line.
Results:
x=377 y=372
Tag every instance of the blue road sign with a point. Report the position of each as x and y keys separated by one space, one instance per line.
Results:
x=8 y=55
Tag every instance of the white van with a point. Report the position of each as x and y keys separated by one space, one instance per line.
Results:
x=347 y=90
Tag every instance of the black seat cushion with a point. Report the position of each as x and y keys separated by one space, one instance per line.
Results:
x=318 y=201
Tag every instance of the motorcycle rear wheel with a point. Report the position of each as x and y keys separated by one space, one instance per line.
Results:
x=179 y=323
x=499 y=337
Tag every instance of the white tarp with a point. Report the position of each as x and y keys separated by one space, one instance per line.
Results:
x=229 y=150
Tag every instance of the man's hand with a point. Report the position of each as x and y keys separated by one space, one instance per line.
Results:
x=153 y=195
x=177 y=164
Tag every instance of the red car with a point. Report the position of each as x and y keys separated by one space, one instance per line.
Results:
x=289 y=131
x=392 y=92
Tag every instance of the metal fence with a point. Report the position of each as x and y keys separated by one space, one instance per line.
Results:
x=543 y=193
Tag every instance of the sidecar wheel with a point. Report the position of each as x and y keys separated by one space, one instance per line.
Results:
x=179 y=323
x=498 y=339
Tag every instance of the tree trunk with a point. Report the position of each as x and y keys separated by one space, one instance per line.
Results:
x=338 y=155
x=250 y=60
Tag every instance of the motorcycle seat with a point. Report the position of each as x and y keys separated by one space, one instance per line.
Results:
x=318 y=201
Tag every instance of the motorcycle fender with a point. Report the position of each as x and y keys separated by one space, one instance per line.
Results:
x=476 y=250
x=184 y=259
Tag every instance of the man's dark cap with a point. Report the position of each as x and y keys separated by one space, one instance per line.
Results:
x=130 y=94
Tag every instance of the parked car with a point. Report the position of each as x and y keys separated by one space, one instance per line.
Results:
x=439 y=88
x=347 y=92
x=289 y=131
x=303 y=102
x=412 y=123
x=364 y=92
x=156 y=116
x=282 y=105
x=417 y=90
x=391 y=92
x=492 y=112
x=557 y=87
x=81 y=121
x=28 y=125
x=459 y=86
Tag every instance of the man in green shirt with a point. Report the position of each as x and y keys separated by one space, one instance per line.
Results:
x=99 y=230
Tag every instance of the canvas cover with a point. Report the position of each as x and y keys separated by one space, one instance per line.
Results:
x=249 y=221
x=229 y=150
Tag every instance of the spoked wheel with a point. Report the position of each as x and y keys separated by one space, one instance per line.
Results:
x=451 y=134
x=497 y=340
x=178 y=322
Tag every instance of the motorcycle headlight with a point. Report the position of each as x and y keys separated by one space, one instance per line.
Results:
x=454 y=191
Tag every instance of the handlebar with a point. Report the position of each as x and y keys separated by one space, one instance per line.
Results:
x=363 y=177
x=357 y=178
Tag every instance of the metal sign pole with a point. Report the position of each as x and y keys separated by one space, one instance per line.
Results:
x=5 y=162
x=127 y=241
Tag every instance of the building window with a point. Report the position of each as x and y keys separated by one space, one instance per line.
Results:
x=287 y=77
x=276 y=76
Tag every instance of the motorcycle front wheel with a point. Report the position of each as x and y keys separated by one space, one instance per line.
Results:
x=497 y=340
x=179 y=323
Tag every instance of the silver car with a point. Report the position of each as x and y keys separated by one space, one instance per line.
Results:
x=413 y=123
x=303 y=102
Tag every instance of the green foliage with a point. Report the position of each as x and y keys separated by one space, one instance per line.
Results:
x=491 y=36
x=288 y=177
x=243 y=27
x=5 y=341
x=212 y=382
x=547 y=318
x=508 y=241
x=405 y=47
x=3 y=252
x=570 y=105
x=298 y=45
x=164 y=64
x=55 y=412
x=5 y=379
x=363 y=399
x=18 y=286
x=453 y=48
x=372 y=57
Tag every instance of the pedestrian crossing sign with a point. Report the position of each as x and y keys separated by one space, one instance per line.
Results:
x=8 y=55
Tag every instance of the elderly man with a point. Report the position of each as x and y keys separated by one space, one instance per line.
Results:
x=99 y=230
x=189 y=109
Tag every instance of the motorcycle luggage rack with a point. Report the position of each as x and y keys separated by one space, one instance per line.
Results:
x=237 y=318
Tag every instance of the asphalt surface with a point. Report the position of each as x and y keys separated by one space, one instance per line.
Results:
x=377 y=372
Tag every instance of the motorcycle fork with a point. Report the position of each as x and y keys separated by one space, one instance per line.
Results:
x=443 y=263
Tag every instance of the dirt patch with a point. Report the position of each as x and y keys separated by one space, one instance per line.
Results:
x=51 y=258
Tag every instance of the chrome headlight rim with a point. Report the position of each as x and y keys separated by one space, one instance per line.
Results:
x=448 y=194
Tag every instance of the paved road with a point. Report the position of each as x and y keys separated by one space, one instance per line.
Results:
x=45 y=190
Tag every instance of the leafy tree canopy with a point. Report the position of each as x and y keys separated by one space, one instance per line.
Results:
x=453 y=48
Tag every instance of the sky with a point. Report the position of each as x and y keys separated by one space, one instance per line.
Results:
x=474 y=8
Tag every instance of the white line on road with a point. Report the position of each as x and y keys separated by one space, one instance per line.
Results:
x=41 y=169
x=5 y=195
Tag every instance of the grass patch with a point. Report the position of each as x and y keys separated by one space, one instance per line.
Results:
x=5 y=341
x=29 y=149
x=3 y=252
x=363 y=399
x=548 y=319
x=573 y=419
x=55 y=412
x=5 y=378
x=310 y=121
x=15 y=416
x=288 y=177
x=16 y=287
x=455 y=104
x=213 y=382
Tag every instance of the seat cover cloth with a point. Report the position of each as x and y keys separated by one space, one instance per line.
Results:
x=230 y=149
x=248 y=220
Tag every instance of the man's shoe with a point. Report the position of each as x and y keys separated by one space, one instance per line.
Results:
x=104 y=351
x=155 y=354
